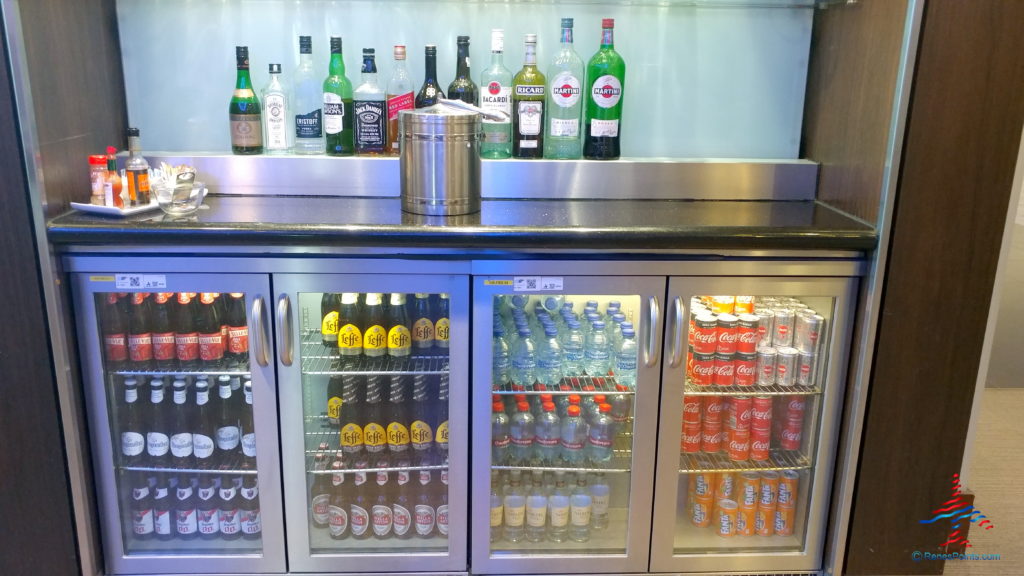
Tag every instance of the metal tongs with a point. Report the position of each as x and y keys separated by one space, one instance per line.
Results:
x=497 y=116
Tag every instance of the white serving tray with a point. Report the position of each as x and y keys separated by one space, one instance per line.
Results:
x=114 y=210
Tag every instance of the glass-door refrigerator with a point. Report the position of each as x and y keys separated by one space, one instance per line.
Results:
x=753 y=382
x=565 y=393
x=374 y=412
x=181 y=398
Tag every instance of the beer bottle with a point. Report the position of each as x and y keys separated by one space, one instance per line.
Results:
x=358 y=516
x=181 y=427
x=424 y=515
x=207 y=509
x=329 y=305
x=237 y=396
x=401 y=502
x=399 y=343
x=141 y=508
x=334 y=401
x=140 y=337
x=421 y=431
x=237 y=353
x=374 y=430
x=185 y=520
x=441 y=421
x=351 y=422
x=250 y=520
x=133 y=441
x=337 y=510
x=320 y=493
x=162 y=503
x=350 y=333
x=186 y=338
x=381 y=513
x=230 y=521
x=227 y=434
x=114 y=324
x=157 y=426
x=248 y=431
x=422 y=324
x=211 y=340
x=397 y=420
x=375 y=335
x=203 y=427
x=442 y=323
x=441 y=510
x=162 y=332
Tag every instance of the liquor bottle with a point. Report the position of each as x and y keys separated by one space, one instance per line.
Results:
x=380 y=511
x=136 y=170
x=463 y=88
x=207 y=508
x=141 y=507
x=329 y=321
x=140 y=338
x=496 y=96
x=422 y=324
x=337 y=507
x=431 y=90
x=249 y=517
x=158 y=440
x=181 y=427
x=606 y=83
x=371 y=131
x=114 y=324
x=247 y=429
x=276 y=128
x=338 y=116
x=162 y=332
x=227 y=434
x=236 y=353
x=358 y=514
x=163 y=501
x=528 y=106
x=133 y=441
x=320 y=494
x=400 y=95
x=230 y=519
x=211 y=337
x=309 y=99
x=203 y=428
x=186 y=338
x=244 y=111
x=424 y=515
x=185 y=518
x=565 y=104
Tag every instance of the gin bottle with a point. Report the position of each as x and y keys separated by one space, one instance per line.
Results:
x=275 y=114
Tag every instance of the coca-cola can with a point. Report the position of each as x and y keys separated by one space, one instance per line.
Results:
x=745 y=369
x=728 y=330
x=766 y=360
x=739 y=445
x=691 y=438
x=711 y=439
x=808 y=332
x=711 y=409
x=782 y=335
x=705 y=334
x=691 y=409
x=806 y=368
x=740 y=413
x=765 y=326
x=725 y=369
x=703 y=369
x=796 y=406
x=760 y=443
x=747 y=337
x=761 y=412
x=785 y=366
x=744 y=305
x=792 y=434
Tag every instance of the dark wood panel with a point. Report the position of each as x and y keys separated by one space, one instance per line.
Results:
x=35 y=505
x=850 y=91
x=963 y=134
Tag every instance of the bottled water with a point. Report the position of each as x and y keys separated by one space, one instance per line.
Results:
x=499 y=435
x=497 y=507
x=500 y=358
x=591 y=304
x=549 y=359
x=522 y=433
x=592 y=405
x=524 y=361
x=572 y=350
x=515 y=508
x=621 y=403
x=520 y=302
x=553 y=303
x=558 y=509
x=600 y=495
x=548 y=436
x=615 y=332
x=599 y=437
x=625 y=359
x=573 y=436
x=613 y=308
x=580 y=509
x=536 y=509
x=563 y=402
x=595 y=351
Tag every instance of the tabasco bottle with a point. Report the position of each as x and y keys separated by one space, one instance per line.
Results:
x=606 y=81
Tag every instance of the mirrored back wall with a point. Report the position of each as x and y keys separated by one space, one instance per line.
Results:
x=718 y=78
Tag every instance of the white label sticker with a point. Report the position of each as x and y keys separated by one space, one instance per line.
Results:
x=551 y=283
x=604 y=128
x=524 y=283
x=140 y=281
x=567 y=127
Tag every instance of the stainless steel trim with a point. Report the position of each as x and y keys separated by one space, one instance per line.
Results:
x=644 y=178
x=651 y=351
x=285 y=335
x=259 y=325
x=677 y=332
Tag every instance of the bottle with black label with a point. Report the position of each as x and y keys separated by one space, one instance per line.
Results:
x=371 y=116
x=463 y=88
x=338 y=113
x=186 y=521
x=309 y=101
x=329 y=303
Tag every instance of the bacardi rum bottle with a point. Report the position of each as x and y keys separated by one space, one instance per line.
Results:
x=565 y=106
x=400 y=97
x=528 y=106
x=606 y=82
x=338 y=113
x=496 y=96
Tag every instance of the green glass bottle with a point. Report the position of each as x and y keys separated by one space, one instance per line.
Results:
x=244 y=112
x=528 y=106
x=338 y=110
x=606 y=84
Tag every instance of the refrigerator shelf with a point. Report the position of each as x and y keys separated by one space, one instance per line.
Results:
x=175 y=373
x=230 y=471
x=720 y=462
x=602 y=385
x=322 y=543
x=325 y=365
x=692 y=389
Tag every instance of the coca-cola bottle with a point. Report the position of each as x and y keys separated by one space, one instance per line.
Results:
x=248 y=431
x=249 y=509
x=230 y=520
x=114 y=325
x=337 y=509
x=207 y=508
x=158 y=429
x=381 y=513
x=204 y=428
x=359 y=504
x=237 y=352
x=186 y=338
x=441 y=509
x=163 y=524
x=162 y=332
x=401 y=500
x=185 y=517
x=227 y=435
x=141 y=507
x=133 y=439
x=424 y=515
x=211 y=338
x=140 y=337
x=181 y=427
x=320 y=493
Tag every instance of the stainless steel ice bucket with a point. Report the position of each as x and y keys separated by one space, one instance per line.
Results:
x=440 y=161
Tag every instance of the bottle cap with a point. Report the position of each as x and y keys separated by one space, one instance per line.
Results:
x=608 y=23
x=599 y=399
x=497 y=407
x=548 y=406
x=574 y=399
x=305 y=44
x=399 y=52
x=97 y=160
x=523 y=406
x=495 y=398
x=573 y=410
x=566 y=22
x=497 y=40
x=133 y=132
x=545 y=398
x=242 y=51
x=520 y=398
x=462 y=40
x=369 y=52
x=604 y=408
x=430 y=50
x=531 y=38
x=628 y=333
x=275 y=68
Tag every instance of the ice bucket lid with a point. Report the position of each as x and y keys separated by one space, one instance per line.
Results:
x=438 y=115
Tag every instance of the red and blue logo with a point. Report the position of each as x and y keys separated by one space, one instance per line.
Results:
x=958 y=510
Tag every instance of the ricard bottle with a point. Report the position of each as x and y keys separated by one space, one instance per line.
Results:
x=370 y=110
x=564 y=101
x=338 y=108
x=244 y=110
x=309 y=98
x=400 y=96
x=496 y=96
x=275 y=114
x=528 y=106
x=606 y=82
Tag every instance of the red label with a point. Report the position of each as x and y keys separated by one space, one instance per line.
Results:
x=163 y=346
x=140 y=347
x=116 y=346
x=211 y=346
x=238 y=339
x=186 y=346
x=398 y=103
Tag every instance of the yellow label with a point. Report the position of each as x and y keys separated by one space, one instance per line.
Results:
x=421 y=433
x=349 y=336
x=398 y=434
x=329 y=325
x=352 y=435
x=101 y=278
x=441 y=329
x=497 y=282
x=442 y=433
x=374 y=435
x=376 y=337
x=423 y=330
x=333 y=407
x=399 y=338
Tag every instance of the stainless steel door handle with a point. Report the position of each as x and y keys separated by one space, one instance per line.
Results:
x=284 y=329
x=651 y=350
x=259 y=324
x=677 y=332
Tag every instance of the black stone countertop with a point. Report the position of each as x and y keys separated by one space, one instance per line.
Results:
x=501 y=224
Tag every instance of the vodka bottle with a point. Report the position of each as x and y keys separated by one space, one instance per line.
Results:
x=522 y=432
x=595 y=351
x=276 y=115
x=500 y=358
x=565 y=102
x=625 y=359
x=547 y=436
x=599 y=437
x=497 y=505
x=558 y=509
x=572 y=349
x=515 y=508
x=536 y=509
x=524 y=361
x=309 y=101
x=600 y=494
x=574 y=436
x=580 y=510
x=499 y=435
x=549 y=359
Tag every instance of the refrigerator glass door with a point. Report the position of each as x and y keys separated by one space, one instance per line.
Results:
x=564 y=390
x=753 y=380
x=375 y=379
x=183 y=411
